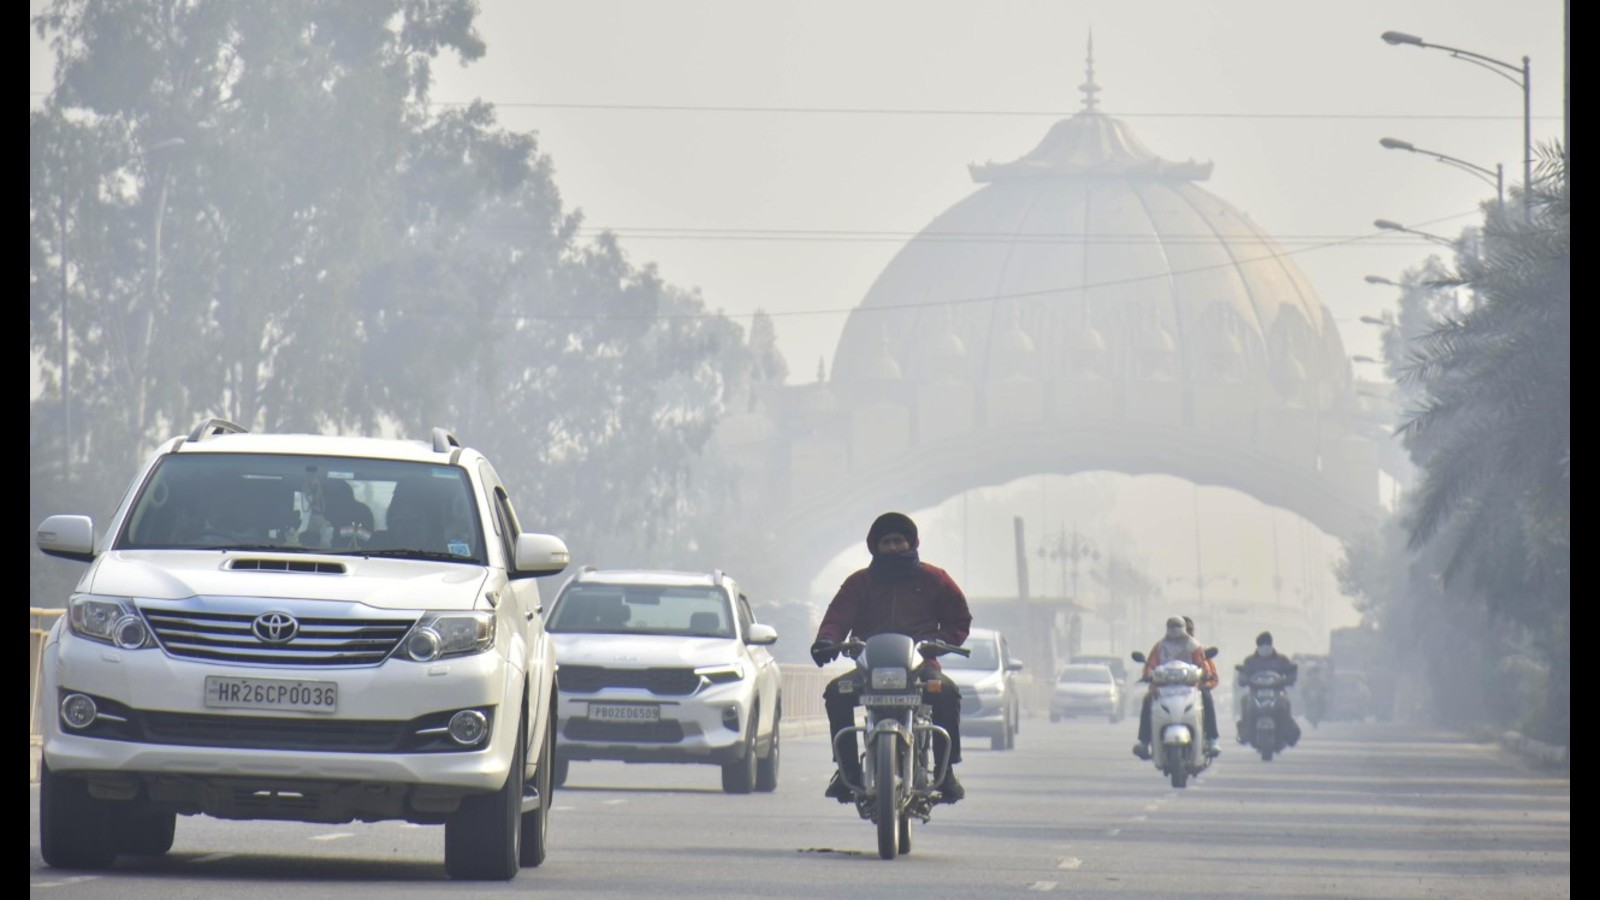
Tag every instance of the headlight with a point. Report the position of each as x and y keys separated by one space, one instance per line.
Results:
x=891 y=678
x=438 y=635
x=721 y=674
x=109 y=620
x=990 y=686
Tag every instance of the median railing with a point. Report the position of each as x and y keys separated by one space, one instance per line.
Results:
x=39 y=623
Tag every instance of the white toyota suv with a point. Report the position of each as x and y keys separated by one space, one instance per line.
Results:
x=302 y=627
x=661 y=666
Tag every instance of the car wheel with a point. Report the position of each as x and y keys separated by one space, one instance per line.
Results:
x=558 y=773
x=536 y=823
x=767 y=769
x=74 y=828
x=143 y=832
x=481 y=840
x=739 y=776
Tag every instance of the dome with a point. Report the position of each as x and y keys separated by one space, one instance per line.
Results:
x=1094 y=246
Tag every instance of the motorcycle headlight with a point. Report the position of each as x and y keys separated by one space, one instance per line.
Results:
x=723 y=674
x=438 y=635
x=889 y=678
x=108 y=620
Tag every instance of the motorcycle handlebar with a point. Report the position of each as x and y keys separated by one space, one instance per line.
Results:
x=853 y=646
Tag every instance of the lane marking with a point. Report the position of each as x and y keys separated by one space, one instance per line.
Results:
x=65 y=882
x=1070 y=862
x=1140 y=818
x=332 y=837
x=213 y=857
x=1042 y=886
x=563 y=808
x=1113 y=832
x=1152 y=807
x=613 y=802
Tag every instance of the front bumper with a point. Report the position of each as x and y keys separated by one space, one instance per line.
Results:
x=708 y=726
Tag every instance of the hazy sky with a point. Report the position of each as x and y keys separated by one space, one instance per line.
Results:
x=775 y=156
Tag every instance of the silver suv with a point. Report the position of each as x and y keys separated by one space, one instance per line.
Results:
x=302 y=627
x=664 y=666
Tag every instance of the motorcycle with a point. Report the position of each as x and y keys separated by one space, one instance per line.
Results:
x=1176 y=718
x=904 y=756
x=1268 y=698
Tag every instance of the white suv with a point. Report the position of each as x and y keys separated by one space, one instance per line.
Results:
x=666 y=667
x=302 y=627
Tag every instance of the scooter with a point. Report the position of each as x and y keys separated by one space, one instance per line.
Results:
x=904 y=756
x=1268 y=697
x=1176 y=718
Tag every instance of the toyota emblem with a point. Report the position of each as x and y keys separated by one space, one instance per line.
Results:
x=275 y=627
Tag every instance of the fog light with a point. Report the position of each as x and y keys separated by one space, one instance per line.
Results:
x=130 y=633
x=730 y=718
x=468 y=727
x=78 y=711
x=423 y=645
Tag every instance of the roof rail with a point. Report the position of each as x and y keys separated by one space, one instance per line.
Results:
x=717 y=575
x=444 y=440
x=215 y=426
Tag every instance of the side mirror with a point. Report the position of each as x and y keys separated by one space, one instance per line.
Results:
x=69 y=537
x=761 y=634
x=539 y=555
x=1137 y=656
x=1013 y=665
x=1211 y=653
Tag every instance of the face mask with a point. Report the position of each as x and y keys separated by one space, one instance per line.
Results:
x=1264 y=650
x=1175 y=633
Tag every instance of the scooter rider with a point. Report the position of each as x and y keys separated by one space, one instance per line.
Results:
x=896 y=593
x=1178 y=644
x=1208 y=715
x=1268 y=659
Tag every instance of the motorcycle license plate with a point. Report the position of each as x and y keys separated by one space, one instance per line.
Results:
x=891 y=699
x=1266 y=694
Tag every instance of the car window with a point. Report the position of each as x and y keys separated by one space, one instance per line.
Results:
x=984 y=656
x=324 y=503
x=1086 y=675
x=642 y=609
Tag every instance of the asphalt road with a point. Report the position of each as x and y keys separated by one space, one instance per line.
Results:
x=1356 y=811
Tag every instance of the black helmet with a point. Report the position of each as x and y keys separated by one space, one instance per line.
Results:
x=1264 y=637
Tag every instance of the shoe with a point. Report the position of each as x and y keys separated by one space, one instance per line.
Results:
x=951 y=791
x=1142 y=751
x=1211 y=747
x=838 y=790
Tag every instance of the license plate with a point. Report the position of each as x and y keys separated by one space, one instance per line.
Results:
x=891 y=699
x=225 y=692
x=623 y=712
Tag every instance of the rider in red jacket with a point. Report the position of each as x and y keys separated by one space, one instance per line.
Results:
x=896 y=593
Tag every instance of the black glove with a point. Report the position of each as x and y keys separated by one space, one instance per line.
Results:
x=824 y=652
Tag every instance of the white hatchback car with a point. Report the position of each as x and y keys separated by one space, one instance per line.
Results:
x=308 y=628
x=661 y=666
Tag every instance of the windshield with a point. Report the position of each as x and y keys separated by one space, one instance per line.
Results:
x=1086 y=675
x=224 y=501
x=984 y=656
x=642 y=609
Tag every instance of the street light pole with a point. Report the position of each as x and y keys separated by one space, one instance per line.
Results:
x=1496 y=178
x=1388 y=225
x=1525 y=81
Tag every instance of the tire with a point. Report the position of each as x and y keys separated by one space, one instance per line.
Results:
x=1016 y=722
x=1001 y=740
x=767 y=769
x=482 y=839
x=535 y=838
x=75 y=830
x=1011 y=733
x=739 y=776
x=905 y=835
x=888 y=775
x=1179 y=771
x=143 y=832
x=558 y=772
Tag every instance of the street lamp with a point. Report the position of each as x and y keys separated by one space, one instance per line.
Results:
x=1525 y=82
x=1379 y=279
x=1366 y=359
x=1496 y=177
x=1388 y=225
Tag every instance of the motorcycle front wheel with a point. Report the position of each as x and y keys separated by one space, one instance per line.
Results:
x=889 y=779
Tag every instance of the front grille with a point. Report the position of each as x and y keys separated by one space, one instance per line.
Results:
x=321 y=641
x=665 y=732
x=666 y=682
x=424 y=734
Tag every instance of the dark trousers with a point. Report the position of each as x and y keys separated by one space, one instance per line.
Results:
x=1208 y=717
x=946 y=703
x=1288 y=728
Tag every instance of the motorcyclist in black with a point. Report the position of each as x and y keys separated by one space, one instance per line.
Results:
x=1268 y=659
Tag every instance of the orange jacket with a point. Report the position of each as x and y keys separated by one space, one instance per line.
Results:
x=1207 y=681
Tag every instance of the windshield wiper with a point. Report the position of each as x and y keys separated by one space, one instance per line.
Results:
x=407 y=554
